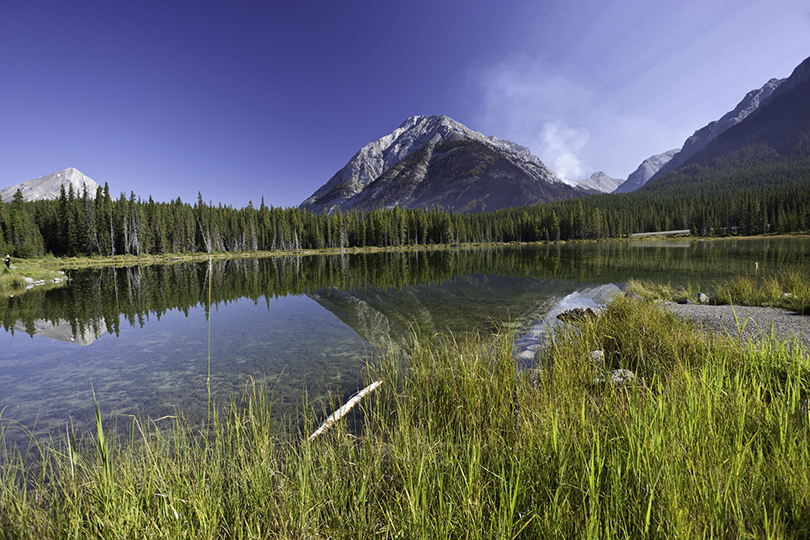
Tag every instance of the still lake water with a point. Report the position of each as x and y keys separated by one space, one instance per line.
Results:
x=138 y=337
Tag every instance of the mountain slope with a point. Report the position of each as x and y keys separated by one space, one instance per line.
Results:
x=435 y=161
x=599 y=182
x=48 y=186
x=752 y=101
x=645 y=171
x=770 y=146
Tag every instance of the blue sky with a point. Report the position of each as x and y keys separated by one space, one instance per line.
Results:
x=244 y=99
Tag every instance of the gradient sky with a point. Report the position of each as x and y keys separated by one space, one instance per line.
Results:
x=244 y=99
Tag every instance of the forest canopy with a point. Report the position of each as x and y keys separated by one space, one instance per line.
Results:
x=78 y=224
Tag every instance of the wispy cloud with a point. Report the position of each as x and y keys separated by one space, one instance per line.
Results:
x=529 y=101
x=559 y=146
x=569 y=123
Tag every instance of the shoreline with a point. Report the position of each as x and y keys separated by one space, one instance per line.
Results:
x=169 y=258
x=747 y=323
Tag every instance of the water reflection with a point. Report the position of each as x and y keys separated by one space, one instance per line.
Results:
x=61 y=330
x=310 y=321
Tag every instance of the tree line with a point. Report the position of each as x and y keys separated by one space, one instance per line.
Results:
x=81 y=224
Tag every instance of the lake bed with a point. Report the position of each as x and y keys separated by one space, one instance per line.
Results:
x=139 y=337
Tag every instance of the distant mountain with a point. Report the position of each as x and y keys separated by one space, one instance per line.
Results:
x=645 y=171
x=770 y=145
x=435 y=161
x=752 y=101
x=599 y=182
x=48 y=186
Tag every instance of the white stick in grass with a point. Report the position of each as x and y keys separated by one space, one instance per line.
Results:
x=335 y=416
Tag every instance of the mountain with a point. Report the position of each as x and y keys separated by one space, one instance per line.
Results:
x=645 y=171
x=599 y=182
x=435 y=161
x=386 y=318
x=752 y=101
x=770 y=145
x=61 y=330
x=48 y=186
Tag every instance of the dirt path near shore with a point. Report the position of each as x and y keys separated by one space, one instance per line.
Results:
x=755 y=323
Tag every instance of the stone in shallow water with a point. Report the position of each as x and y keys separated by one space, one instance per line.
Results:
x=619 y=377
x=527 y=356
x=579 y=313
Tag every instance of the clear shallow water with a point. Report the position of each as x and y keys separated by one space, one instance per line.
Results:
x=163 y=365
x=139 y=336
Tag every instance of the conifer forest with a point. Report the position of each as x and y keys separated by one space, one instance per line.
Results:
x=80 y=224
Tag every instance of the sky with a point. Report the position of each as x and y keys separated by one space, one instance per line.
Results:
x=241 y=100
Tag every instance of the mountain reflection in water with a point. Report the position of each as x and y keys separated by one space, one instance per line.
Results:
x=311 y=322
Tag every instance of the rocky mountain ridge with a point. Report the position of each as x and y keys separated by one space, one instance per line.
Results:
x=694 y=144
x=435 y=161
x=645 y=171
x=599 y=182
x=659 y=165
x=48 y=187
x=769 y=146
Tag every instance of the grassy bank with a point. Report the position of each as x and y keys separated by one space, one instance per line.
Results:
x=12 y=280
x=64 y=263
x=787 y=290
x=170 y=258
x=715 y=442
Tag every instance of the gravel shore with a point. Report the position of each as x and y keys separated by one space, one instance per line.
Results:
x=748 y=323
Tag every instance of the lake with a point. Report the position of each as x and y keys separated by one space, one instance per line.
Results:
x=138 y=337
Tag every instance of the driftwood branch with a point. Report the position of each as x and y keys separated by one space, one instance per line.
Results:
x=335 y=416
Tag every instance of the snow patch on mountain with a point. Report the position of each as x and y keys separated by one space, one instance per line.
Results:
x=48 y=187
x=598 y=181
x=415 y=133
x=645 y=171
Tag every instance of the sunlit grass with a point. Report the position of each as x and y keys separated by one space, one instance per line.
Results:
x=650 y=290
x=12 y=280
x=789 y=289
x=457 y=443
x=92 y=261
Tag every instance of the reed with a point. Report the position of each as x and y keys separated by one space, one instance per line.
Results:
x=10 y=281
x=650 y=290
x=457 y=442
x=789 y=289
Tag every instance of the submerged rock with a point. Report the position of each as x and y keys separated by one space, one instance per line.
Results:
x=527 y=357
x=618 y=377
x=576 y=314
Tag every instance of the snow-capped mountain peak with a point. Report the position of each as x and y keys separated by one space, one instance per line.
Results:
x=421 y=135
x=48 y=186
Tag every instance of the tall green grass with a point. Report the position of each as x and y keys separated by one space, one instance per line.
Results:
x=789 y=289
x=10 y=280
x=458 y=443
